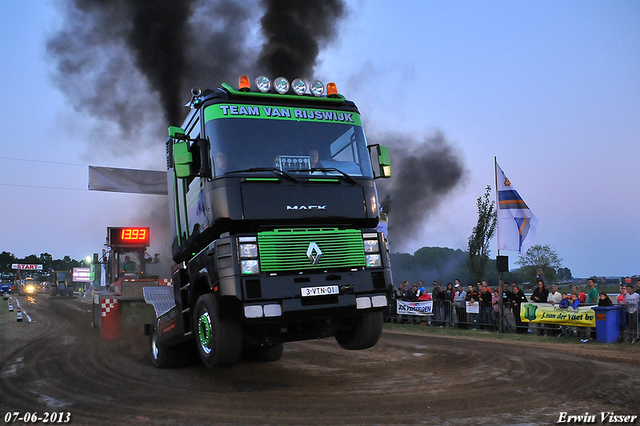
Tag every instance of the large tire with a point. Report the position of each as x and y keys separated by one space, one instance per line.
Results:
x=363 y=333
x=219 y=340
x=161 y=357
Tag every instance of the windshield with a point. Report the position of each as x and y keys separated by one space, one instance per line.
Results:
x=318 y=142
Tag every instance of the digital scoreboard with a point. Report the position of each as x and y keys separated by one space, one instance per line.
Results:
x=128 y=237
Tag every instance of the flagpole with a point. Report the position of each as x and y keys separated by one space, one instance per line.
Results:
x=501 y=317
x=495 y=175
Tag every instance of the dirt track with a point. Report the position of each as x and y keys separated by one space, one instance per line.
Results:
x=58 y=363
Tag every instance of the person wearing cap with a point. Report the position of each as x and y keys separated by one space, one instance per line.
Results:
x=458 y=302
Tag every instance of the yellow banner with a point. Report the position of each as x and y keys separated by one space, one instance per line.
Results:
x=583 y=316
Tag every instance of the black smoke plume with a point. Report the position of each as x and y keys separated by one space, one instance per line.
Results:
x=294 y=31
x=128 y=61
x=423 y=175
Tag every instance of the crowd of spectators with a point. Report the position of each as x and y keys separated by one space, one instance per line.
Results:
x=499 y=309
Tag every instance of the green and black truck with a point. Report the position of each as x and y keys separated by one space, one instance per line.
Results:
x=276 y=221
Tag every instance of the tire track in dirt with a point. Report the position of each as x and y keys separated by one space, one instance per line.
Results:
x=408 y=378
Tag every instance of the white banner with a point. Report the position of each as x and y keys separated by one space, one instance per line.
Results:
x=26 y=267
x=415 y=308
x=473 y=307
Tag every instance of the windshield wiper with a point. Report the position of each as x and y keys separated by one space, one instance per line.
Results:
x=348 y=178
x=267 y=169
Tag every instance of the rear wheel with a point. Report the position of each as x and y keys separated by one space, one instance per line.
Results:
x=363 y=333
x=219 y=340
x=161 y=357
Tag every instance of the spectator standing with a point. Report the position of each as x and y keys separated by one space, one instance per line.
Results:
x=623 y=293
x=507 y=304
x=402 y=293
x=582 y=298
x=495 y=304
x=554 y=297
x=592 y=294
x=437 y=295
x=458 y=301
x=575 y=302
x=424 y=296
x=604 y=299
x=518 y=299
x=485 y=308
x=472 y=296
x=413 y=294
x=565 y=302
x=631 y=305
x=448 y=303
x=540 y=295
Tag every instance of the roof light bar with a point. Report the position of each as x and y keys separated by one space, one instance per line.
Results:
x=263 y=83
x=281 y=85
x=316 y=88
x=299 y=86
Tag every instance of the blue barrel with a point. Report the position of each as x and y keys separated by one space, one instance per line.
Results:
x=608 y=320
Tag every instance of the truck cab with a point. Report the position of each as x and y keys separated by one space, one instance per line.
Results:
x=274 y=213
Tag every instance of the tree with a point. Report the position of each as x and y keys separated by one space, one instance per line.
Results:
x=481 y=235
x=567 y=274
x=540 y=261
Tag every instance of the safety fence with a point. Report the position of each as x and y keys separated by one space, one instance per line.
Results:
x=536 y=318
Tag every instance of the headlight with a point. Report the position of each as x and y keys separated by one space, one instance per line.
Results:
x=249 y=267
x=371 y=246
x=248 y=250
x=373 y=260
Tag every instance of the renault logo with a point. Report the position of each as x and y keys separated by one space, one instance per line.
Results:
x=314 y=258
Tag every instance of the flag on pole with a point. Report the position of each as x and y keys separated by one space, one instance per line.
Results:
x=516 y=222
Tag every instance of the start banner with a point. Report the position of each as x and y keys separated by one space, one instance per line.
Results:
x=415 y=308
x=26 y=267
x=583 y=316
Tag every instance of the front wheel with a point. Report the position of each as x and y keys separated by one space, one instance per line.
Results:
x=363 y=333
x=219 y=340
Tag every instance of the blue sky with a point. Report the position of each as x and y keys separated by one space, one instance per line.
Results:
x=551 y=88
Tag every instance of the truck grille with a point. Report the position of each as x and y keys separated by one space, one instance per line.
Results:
x=286 y=249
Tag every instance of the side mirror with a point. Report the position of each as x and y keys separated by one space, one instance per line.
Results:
x=176 y=132
x=382 y=159
x=182 y=159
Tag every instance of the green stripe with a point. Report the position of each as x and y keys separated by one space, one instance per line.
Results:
x=262 y=179
x=321 y=180
x=271 y=112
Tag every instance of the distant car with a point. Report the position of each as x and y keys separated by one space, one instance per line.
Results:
x=5 y=288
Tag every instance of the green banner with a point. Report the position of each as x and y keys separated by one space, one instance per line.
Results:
x=545 y=313
x=281 y=113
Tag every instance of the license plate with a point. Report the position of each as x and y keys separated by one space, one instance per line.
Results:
x=319 y=291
